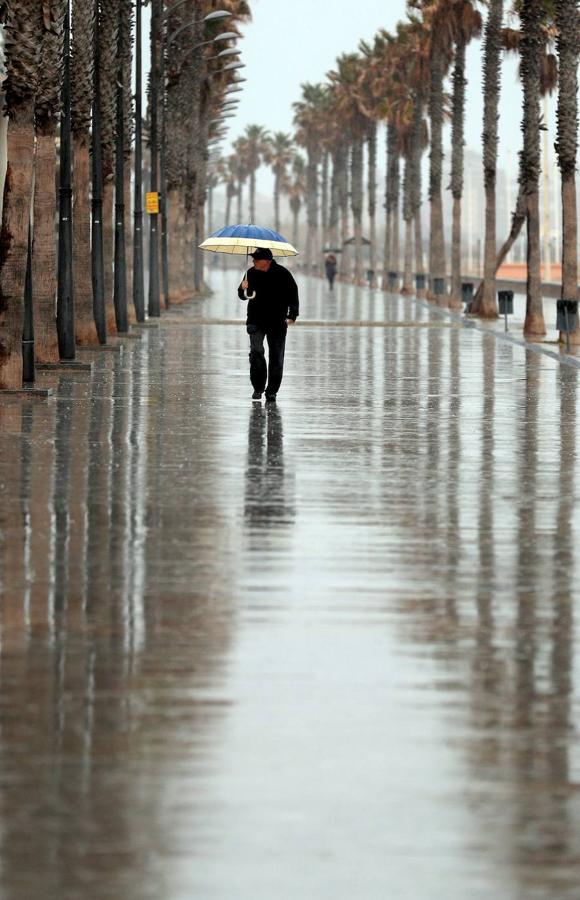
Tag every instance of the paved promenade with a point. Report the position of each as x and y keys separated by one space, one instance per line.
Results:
x=324 y=650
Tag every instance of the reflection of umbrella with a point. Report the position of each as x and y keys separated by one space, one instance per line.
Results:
x=243 y=239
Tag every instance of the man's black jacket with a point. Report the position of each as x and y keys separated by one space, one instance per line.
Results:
x=276 y=297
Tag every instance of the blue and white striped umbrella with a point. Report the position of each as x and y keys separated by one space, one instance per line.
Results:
x=244 y=239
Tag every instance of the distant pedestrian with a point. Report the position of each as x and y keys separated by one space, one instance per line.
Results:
x=330 y=268
x=272 y=306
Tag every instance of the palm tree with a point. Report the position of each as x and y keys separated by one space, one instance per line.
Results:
x=567 y=142
x=82 y=97
x=256 y=149
x=466 y=26
x=346 y=95
x=532 y=13
x=279 y=153
x=47 y=108
x=486 y=305
x=296 y=190
x=22 y=44
x=310 y=120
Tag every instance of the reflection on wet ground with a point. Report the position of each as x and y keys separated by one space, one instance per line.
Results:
x=324 y=649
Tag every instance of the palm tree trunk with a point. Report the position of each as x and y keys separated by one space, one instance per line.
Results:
x=277 y=201
x=239 y=199
x=458 y=141
x=416 y=156
x=356 y=165
x=566 y=145
x=344 y=270
x=334 y=197
x=311 y=208
x=390 y=146
x=437 y=264
x=372 y=200
x=531 y=47
x=295 y=214
x=407 y=287
x=14 y=242
x=324 y=200
x=108 y=244
x=486 y=305
x=44 y=258
x=85 y=330
x=253 y=196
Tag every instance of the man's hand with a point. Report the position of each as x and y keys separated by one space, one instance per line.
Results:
x=290 y=321
x=245 y=284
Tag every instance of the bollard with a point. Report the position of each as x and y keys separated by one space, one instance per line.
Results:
x=467 y=295
x=420 y=282
x=567 y=318
x=505 y=300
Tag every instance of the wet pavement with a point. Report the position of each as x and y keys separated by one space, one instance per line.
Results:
x=324 y=649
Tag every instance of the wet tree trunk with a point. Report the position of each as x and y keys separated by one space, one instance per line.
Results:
x=295 y=214
x=407 y=287
x=324 y=200
x=458 y=141
x=344 y=263
x=417 y=153
x=531 y=48
x=388 y=217
x=44 y=259
x=108 y=244
x=372 y=200
x=239 y=199
x=85 y=330
x=356 y=205
x=14 y=242
x=253 y=196
x=566 y=146
x=437 y=264
x=334 y=198
x=485 y=305
x=311 y=208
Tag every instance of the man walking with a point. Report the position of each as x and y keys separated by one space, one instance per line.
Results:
x=273 y=304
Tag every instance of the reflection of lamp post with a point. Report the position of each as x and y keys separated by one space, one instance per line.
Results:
x=65 y=319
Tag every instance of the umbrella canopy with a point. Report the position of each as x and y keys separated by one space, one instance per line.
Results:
x=243 y=239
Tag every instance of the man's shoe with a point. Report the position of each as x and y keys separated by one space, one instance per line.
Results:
x=257 y=395
x=270 y=398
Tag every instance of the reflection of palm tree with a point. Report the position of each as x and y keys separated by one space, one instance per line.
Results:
x=267 y=501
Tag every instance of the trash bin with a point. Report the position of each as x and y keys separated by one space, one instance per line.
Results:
x=467 y=294
x=567 y=315
x=370 y=275
x=393 y=280
x=505 y=300
x=420 y=282
x=438 y=286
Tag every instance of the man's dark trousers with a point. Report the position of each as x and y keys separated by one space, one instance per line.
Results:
x=259 y=372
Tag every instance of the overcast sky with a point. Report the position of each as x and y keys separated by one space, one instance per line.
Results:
x=292 y=41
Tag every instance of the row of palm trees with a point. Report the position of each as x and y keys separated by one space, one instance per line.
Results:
x=254 y=148
x=72 y=115
x=412 y=80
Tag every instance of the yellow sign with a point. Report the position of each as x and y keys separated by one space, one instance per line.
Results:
x=152 y=202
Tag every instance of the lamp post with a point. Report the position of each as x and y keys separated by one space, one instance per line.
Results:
x=120 y=275
x=65 y=320
x=154 y=298
x=98 y=275
x=138 y=281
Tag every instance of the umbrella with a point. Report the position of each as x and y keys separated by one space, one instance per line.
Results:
x=240 y=239
x=243 y=239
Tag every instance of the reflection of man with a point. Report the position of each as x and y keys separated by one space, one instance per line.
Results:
x=272 y=306
x=267 y=499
